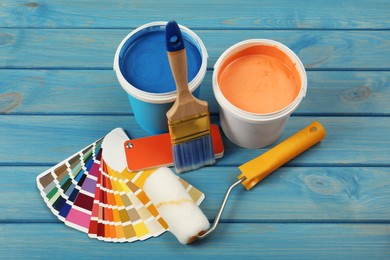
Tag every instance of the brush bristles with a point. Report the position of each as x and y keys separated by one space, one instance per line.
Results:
x=193 y=154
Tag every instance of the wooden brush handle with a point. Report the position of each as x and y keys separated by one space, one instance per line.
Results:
x=186 y=104
x=177 y=59
x=178 y=63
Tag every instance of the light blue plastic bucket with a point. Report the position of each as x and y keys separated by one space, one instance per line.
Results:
x=142 y=68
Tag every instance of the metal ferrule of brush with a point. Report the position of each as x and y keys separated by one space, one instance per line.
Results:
x=189 y=128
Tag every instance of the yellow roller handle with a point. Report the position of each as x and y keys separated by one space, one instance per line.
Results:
x=260 y=167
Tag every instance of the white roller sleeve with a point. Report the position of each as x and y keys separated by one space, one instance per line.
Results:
x=184 y=218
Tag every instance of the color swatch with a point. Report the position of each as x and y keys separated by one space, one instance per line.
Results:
x=101 y=197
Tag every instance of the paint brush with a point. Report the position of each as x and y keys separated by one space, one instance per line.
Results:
x=188 y=118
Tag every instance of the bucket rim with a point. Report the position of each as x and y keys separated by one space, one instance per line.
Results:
x=168 y=97
x=249 y=116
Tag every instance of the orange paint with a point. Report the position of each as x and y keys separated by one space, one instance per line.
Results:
x=259 y=79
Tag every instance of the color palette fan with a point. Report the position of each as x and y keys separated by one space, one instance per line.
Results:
x=93 y=191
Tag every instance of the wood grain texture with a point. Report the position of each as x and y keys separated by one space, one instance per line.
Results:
x=95 y=48
x=290 y=194
x=64 y=92
x=275 y=241
x=58 y=93
x=267 y=14
x=350 y=140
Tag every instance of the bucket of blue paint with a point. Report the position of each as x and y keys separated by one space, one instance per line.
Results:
x=142 y=68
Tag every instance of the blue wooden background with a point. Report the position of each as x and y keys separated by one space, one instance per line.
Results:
x=58 y=93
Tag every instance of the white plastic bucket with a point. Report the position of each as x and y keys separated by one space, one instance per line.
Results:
x=249 y=129
x=144 y=72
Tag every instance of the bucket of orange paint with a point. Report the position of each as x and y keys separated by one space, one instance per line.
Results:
x=258 y=84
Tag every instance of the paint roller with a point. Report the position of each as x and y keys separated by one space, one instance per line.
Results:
x=186 y=220
x=183 y=216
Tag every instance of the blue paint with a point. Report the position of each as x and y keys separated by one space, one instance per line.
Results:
x=144 y=63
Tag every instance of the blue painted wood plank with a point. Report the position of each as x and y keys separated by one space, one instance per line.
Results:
x=95 y=48
x=230 y=241
x=331 y=202
x=47 y=139
x=266 y=14
x=290 y=194
x=63 y=92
